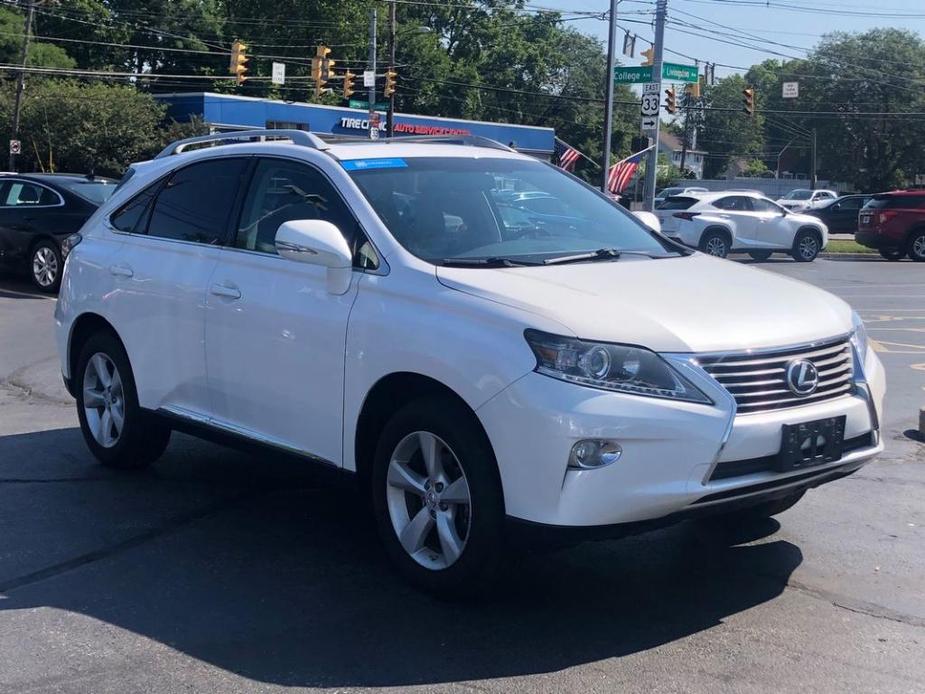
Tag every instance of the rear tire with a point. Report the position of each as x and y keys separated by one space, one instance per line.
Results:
x=760 y=255
x=891 y=254
x=437 y=498
x=917 y=245
x=715 y=243
x=46 y=266
x=117 y=431
x=806 y=246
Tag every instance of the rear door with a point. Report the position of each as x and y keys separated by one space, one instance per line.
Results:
x=843 y=215
x=173 y=235
x=738 y=211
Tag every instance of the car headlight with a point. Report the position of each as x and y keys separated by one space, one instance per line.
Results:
x=859 y=337
x=621 y=368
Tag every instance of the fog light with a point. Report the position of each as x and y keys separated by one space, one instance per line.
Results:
x=594 y=453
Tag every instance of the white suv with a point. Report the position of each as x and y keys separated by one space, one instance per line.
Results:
x=722 y=223
x=489 y=373
x=802 y=199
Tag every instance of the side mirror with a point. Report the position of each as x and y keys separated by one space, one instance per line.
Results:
x=316 y=242
x=649 y=219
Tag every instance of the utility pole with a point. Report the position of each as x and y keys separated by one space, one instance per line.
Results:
x=812 y=180
x=21 y=82
x=608 y=114
x=686 y=134
x=390 y=117
x=371 y=94
x=661 y=12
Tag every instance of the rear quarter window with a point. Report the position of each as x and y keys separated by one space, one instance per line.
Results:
x=677 y=203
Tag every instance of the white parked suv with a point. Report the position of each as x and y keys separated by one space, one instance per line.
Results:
x=722 y=223
x=806 y=199
x=489 y=374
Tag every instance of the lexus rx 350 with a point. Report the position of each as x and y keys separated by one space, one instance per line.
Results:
x=367 y=307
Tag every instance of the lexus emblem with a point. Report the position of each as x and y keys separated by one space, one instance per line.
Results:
x=802 y=377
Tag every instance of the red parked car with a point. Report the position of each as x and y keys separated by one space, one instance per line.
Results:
x=894 y=224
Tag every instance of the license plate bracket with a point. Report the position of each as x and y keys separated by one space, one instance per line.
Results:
x=811 y=443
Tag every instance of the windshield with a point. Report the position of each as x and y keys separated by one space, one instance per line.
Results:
x=96 y=192
x=799 y=195
x=443 y=209
x=668 y=192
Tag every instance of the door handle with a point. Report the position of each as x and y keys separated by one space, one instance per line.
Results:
x=121 y=271
x=226 y=290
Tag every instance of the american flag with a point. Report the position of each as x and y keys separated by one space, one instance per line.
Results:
x=622 y=172
x=566 y=156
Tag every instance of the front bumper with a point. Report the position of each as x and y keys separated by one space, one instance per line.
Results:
x=670 y=450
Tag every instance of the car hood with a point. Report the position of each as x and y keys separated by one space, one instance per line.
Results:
x=687 y=304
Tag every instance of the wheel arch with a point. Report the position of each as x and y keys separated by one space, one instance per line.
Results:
x=389 y=394
x=83 y=327
x=717 y=228
x=811 y=229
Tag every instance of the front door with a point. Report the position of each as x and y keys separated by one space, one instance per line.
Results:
x=274 y=334
x=773 y=228
x=174 y=231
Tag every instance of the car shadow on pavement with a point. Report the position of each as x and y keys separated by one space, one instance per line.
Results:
x=255 y=566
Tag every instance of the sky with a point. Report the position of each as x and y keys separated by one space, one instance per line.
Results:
x=797 y=23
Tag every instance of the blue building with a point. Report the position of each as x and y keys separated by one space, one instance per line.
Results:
x=229 y=112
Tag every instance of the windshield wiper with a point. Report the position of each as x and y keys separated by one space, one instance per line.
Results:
x=599 y=254
x=493 y=261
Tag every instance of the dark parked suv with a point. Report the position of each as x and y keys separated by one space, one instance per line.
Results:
x=894 y=224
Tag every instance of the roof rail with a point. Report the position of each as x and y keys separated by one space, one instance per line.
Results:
x=470 y=140
x=298 y=137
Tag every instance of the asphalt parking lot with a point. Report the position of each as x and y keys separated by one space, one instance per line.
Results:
x=219 y=571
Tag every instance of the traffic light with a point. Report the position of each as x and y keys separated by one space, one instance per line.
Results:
x=749 y=101
x=238 y=64
x=348 y=84
x=321 y=68
x=671 y=100
x=390 y=77
x=649 y=55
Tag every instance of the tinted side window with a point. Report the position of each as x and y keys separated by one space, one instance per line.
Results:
x=897 y=202
x=195 y=202
x=283 y=191
x=676 y=203
x=735 y=203
x=132 y=217
x=24 y=194
x=848 y=204
x=759 y=205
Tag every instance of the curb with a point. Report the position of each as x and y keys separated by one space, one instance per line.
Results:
x=851 y=256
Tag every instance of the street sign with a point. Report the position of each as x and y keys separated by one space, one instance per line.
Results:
x=679 y=73
x=15 y=147
x=279 y=73
x=791 y=90
x=650 y=104
x=363 y=104
x=369 y=78
x=632 y=75
x=649 y=123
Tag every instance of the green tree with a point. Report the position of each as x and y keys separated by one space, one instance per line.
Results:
x=75 y=127
x=41 y=54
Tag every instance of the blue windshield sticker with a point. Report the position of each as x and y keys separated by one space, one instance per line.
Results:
x=365 y=164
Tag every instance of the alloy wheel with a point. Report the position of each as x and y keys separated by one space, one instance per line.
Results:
x=809 y=247
x=428 y=500
x=44 y=266
x=103 y=400
x=716 y=246
x=918 y=246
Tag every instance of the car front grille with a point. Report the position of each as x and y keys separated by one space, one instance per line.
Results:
x=758 y=381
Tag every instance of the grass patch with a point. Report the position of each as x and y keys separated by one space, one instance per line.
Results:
x=846 y=246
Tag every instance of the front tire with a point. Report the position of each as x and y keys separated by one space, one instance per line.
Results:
x=806 y=247
x=46 y=266
x=437 y=497
x=917 y=246
x=117 y=431
x=891 y=254
x=715 y=243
